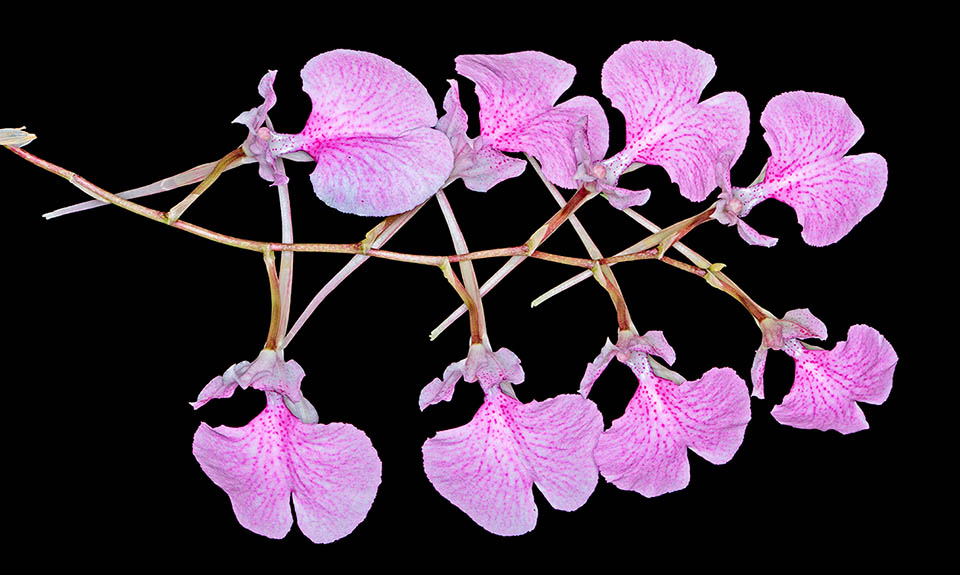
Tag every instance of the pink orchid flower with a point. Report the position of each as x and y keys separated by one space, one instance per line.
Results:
x=370 y=131
x=657 y=87
x=809 y=135
x=331 y=471
x=517 y=94
x=827 y=384
x=488 y=467
x=645 y=450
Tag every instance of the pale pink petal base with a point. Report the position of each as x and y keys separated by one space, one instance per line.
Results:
x=828 y=384
x=645 y=449
x=487 y=468
x=332 y=471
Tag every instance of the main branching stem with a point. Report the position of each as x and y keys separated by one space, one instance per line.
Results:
x=360 y=248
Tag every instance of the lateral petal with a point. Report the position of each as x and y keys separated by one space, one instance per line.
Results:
x=479 y=468
x=250 y=464
x=335 y=476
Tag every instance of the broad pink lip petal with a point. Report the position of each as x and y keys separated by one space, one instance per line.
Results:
x=828 y=384
x=657 y=87
x=808 y=134
x=371 y=133
x=517 y=93
x=645 y=449
x=332 y=471
x=487 y=468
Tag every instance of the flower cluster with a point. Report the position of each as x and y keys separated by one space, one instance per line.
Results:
x=381 y=150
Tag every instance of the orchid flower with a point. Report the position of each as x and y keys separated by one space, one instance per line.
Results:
x=488 y=467
x=331 y=470
x=645 y=449
x=517 y=94
x=827 y=384
x=809 y=135
x=370 y=131
x=657 y=87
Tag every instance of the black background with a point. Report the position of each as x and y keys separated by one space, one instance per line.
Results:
x=125 y=320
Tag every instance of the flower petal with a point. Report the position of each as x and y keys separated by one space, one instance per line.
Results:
x=657 y=86
x=380 y=176
x=517 y=113
x=514 y=88
x=808 y=134
x=222 y=386
x=644 y=450
x=371 y=133
x=487 y=467
x=596 y=367
x=249 y=464
x=559 y=436
x=480 y=165
x=442 y=389
x=479 y=468
x=489 y=167
x=335 y=475
x=828 y=384
x=757 y=369
x=362 y=93
x=332 y=471
x=256 y=146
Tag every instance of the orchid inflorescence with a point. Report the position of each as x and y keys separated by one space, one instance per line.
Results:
x=381 y=150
